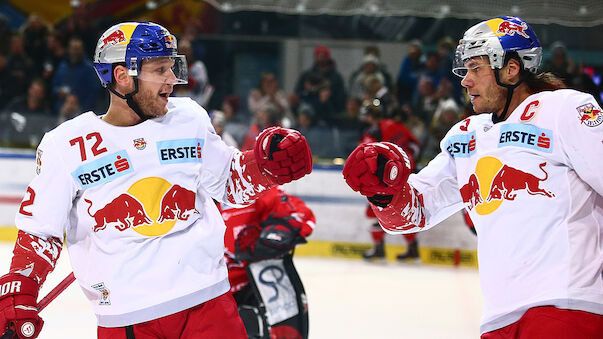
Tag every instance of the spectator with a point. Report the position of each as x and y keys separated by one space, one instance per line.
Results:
x=35 y=32
x=77 y=76
x=70 y=109
x=34 y=102
x=5 y=34
x=268 y=93
x=376 y=91
x=4 y=85
x=267 y=116
x=433 y=69
x=317 y=94
x=446 y=115
x=374 y=51
x=79 y=25
x=218 y=121
x=426 y=99
x=198 y=87
x=20 y=68
x=370 y=66
x=305 y=115
x=332 y=96
x=446 y=50
x=584 y=83
x=54 y=56
x=559 y=64
x=408 y=75
x=351 y=116
x=234 y=122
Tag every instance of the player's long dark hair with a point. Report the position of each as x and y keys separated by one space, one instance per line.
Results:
x=544 y=81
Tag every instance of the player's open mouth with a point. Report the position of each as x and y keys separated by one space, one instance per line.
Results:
x=473 y=96
x=165 y=95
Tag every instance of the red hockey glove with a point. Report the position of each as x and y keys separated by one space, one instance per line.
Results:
x=283 y=154
x=18 y=306
x=377 y=169
x=245 y=242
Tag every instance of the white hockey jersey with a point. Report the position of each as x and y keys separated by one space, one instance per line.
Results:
x=533 y=186
x=135 y=203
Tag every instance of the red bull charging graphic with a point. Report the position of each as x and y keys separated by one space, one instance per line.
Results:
x=150 y=207
x=494 y=183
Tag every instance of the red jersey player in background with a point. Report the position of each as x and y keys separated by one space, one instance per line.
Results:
x=385 y=129
x=268 y=229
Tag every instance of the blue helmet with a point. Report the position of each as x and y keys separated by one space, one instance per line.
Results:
x=495 y=38
x=132 y=42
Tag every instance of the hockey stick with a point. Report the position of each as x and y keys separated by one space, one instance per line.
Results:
x=9 y=334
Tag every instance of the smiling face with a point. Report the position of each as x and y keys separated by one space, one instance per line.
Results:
x=486 y=96
x=155 y=86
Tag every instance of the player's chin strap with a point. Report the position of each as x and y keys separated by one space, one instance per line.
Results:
x=510 y=88
x=130 y=100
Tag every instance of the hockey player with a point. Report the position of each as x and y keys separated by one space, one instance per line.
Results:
x=268 y=229
x=528 y=171
x=132 y=192
x=385 y=129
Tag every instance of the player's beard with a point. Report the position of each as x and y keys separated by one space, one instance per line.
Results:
x=151 y=104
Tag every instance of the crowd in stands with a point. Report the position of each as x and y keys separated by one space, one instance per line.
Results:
x=47 y=70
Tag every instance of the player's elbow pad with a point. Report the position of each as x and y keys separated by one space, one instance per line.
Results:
x=35 y=257
x=246 y=181
x=403 y=214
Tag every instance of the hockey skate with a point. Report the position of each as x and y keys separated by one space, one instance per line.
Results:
x=377 y=252
x=412 y=254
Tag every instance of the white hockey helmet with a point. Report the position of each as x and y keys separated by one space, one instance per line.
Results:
x=132 y=42
x=495 y=38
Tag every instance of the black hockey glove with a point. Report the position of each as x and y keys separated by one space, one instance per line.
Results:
x=278 y=237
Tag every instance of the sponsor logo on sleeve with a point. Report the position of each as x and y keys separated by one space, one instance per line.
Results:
x=103 y=170
x=590 y=115
x=180 y=150
x=528 y=136
x=462 y=145
x=39 y=161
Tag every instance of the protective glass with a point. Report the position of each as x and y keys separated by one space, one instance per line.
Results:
x=165 y=70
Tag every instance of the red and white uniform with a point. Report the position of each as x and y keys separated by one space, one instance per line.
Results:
x=533 y=186
x=392 y=131
x=135 y=203
x=274 y=203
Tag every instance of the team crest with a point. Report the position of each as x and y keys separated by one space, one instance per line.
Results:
x=38 y=161
x=104 y=293
x=590 y=115
x=140 y=144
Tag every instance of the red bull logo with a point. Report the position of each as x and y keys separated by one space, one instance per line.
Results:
x=590 y=115
x=177 y=204
x=123 y=212
x=495 y=182
x=150 y=207
x=114 y=38
x=510 y=28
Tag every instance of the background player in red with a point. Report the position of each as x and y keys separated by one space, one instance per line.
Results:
x=527 y=169
x=268 y=229
x=151 y=261
x=385 y=129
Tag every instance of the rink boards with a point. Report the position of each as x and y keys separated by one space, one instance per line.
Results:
x=342 y=230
